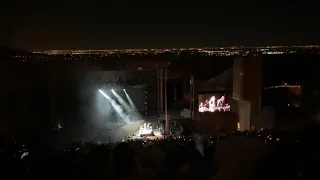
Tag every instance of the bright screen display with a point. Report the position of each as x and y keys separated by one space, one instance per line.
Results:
x=213 y=103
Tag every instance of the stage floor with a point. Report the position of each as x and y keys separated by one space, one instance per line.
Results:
x=129 y=131
x=157 y=135
x=124 y=131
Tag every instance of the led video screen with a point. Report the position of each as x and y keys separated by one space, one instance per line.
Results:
x=213 y=103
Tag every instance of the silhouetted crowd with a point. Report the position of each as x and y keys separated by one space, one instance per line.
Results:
x=259 y=155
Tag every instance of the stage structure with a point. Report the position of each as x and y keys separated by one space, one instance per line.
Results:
x=163 y=78
x=162 y=95
x=192 y=99
x=123 y=83
x=214 y=112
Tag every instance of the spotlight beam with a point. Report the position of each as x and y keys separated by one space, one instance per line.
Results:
x=130 y=101
x=126 y=106
x=122 y=102
x=116 y=107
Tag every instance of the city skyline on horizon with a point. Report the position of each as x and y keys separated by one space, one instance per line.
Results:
x=187 y=48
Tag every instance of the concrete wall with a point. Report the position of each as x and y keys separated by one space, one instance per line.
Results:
x=215 y=122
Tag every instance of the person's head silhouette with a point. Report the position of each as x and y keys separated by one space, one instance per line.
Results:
x=124 y=160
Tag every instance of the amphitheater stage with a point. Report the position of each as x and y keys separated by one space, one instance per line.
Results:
x=124 y=131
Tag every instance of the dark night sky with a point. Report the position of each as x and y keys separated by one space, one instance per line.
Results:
x=156 y=24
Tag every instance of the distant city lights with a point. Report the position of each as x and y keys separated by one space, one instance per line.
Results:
x=217 y=51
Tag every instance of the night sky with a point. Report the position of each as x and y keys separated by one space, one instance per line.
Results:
x=112 y=24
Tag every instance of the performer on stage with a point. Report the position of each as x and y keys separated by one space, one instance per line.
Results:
x=201 y=107
x=212 y=104
x=227 y=107
x=220 y=101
